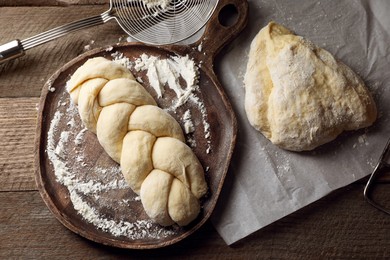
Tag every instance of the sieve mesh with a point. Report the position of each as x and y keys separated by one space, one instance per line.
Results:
x=159 y=24
x=147 y=21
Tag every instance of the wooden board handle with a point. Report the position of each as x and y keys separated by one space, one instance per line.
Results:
x=229 y=19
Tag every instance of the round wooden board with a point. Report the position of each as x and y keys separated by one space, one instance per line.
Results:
x=86 y=158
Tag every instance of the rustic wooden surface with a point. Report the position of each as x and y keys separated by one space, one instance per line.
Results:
x=341 y=225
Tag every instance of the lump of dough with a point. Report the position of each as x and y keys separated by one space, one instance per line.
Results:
x=298 y=96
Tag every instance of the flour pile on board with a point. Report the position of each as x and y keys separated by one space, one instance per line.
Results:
x=170 y=73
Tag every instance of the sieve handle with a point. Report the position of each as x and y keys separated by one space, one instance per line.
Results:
x=217 y=34
x=10 y=51
x=17 y=48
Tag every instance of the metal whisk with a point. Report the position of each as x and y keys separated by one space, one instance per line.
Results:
x=148 y=21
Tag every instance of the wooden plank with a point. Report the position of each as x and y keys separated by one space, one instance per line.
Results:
x=26 y=75
x=341 y=225
x=51 y=2
x=17 y=133
x=29 y=230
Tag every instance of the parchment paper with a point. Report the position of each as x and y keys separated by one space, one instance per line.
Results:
x=266 y=183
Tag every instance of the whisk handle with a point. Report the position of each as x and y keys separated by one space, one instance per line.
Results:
x=17 y=48
x=10 y=51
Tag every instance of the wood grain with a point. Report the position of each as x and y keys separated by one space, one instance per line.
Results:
x=51 y=2
x=17 y=133
x=28 y=230
x=41 y=62
x=341 y=225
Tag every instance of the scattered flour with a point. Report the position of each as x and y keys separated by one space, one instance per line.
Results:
x=191 y=142
x=200 y=46
x=89 y=46
x=139 y=79
x=71 y=123
x=154 y=3
x=90 y=186
x=121 y=59
x=80 y=136
x=166 y=72
x=60 y=150
x=94 y=189
x=50 y=86
x=362 y=140
x=188 y=124
x=163 y=73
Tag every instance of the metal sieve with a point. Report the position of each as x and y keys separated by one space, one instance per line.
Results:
x=149 y=21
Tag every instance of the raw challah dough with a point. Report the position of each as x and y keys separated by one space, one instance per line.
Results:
x=146 y=141
x=297 y=95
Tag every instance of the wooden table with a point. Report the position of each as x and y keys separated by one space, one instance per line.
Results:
x=341 y=225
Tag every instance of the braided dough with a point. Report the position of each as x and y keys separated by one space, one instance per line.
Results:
x=298 y=96
x=146 y=141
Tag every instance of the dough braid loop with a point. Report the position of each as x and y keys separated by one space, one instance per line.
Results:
x=147 y=142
